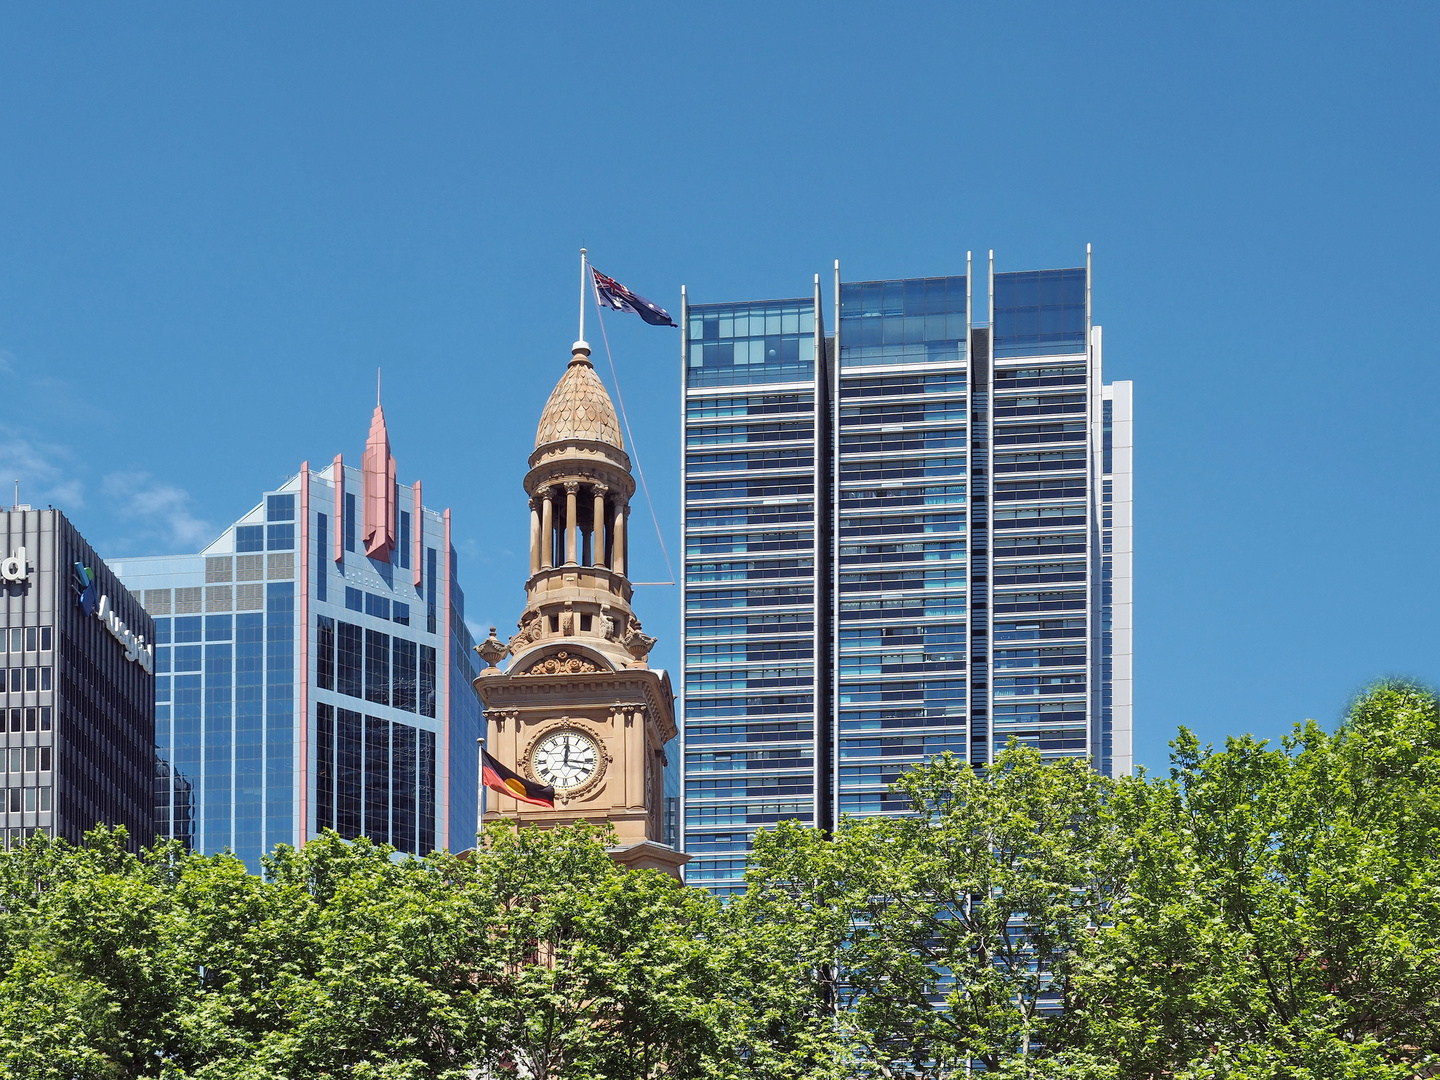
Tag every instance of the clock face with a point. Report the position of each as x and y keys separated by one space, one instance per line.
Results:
x=565 y=759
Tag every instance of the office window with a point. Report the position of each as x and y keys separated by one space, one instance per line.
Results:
x=427 y=681
x=280 y=508
x=249 y=538
x=324 y=766
x=32 y=638
x=430 y=566
x=348 y=772
x=402 y=787
x=249 y=735
x=30 y=719
x=188 y=629
x=426 y=800
x=349 y=522
x=378 y=606
x=354 y=599
x=377 y=779
x=44 y=717
x=322 y=555
x=401 y=613
x=45 y=678
x=403 y=678
x=282 y=538
x=17 y=639
x=31 y=679
x=404 y=538
x=377 y=667
x=217 y=627
x=324 y=652
x=351 y=656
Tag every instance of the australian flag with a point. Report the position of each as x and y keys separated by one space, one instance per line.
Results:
x=616 y=296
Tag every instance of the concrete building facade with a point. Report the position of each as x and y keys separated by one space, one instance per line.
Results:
x=78 y=685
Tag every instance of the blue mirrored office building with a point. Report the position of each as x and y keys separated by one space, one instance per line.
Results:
x=313 y=671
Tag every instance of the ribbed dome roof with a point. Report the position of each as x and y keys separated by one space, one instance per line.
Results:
x=579 y=408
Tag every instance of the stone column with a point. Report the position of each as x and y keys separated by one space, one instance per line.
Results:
x=547 y=528
x=619 y=542
x=635 y=742
x=597 y=542
x=572 y=522
x=535 y=535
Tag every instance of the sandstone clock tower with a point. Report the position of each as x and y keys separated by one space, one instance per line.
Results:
x=577 y=707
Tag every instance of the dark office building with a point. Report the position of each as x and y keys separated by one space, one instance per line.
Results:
x=79 y=686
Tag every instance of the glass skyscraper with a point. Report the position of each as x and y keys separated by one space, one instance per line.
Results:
x=908 y=536
x=313 y=670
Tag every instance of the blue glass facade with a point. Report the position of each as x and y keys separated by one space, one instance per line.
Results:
x=752 y=515
x=959 y=565
x=297 y=692
x=902 y=525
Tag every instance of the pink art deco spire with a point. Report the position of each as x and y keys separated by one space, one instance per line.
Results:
x=378 y=466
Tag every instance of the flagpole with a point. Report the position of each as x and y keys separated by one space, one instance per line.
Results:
x=582 y=295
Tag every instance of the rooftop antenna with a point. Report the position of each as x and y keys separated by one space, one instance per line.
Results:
x=17 y=491
x=377 y=387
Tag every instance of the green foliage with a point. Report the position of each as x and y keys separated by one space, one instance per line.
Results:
x=956 y=927
x=1283 y=910
x=1259 y=913
x=537 y=957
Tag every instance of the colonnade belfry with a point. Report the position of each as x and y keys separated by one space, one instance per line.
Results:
x=579 y=486
x=577 y=523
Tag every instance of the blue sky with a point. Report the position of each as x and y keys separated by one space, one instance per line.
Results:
x=217 y=221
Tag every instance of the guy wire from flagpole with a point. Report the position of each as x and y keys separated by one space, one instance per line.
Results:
x=600 y=316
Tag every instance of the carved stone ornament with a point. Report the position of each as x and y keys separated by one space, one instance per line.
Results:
x=634 y=642
x=562 y=663
x=492 y=650
x=529 y=632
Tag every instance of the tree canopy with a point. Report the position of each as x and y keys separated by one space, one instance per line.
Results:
x=1257 y=912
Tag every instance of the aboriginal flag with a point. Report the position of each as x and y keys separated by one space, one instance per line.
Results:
x=498 y=778
x=617 y=297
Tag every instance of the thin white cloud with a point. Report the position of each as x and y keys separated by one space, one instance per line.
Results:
x=160 y=510
x=45 y=472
